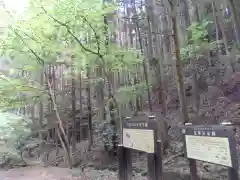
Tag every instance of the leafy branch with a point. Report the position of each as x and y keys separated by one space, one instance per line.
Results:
x=73 y=35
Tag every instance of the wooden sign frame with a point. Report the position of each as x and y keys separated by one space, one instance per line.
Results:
x=142 y=132
x=212 y=135
x=155 y=168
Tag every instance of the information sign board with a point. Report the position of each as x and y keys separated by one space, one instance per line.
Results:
x=210 y=149
x=139 y=139
x=209 y=143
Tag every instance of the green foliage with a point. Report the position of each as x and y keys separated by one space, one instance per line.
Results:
x=127 y=93
x=198 y=41
x=14 y=131
x=69 y=31
x=17 y=92
x=199 y=31
x=108 y=130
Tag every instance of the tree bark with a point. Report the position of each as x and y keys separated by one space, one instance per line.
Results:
x=41 y=115
x=236 y=20
x=89 y=105
x=60 y=126
x=182 y=97
x=158 y=59
x=142 y=53
x=73 y=110
x=194 y=17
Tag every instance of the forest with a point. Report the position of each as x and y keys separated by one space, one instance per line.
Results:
x=71 y=71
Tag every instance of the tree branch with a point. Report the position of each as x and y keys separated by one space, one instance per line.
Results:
x=72 y=34
x=94 y=31
x=39 y=59
x=52 y=97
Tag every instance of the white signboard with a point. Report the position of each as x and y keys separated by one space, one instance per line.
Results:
x=210 y=149
x=139 y=139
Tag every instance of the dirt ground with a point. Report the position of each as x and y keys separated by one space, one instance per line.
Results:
x=30 y=173
x=56 y=173
x=102 y=167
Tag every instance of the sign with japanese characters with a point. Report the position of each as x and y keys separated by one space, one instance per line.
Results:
x=210 y=144
x=139 y=135
x=139 y=139
x=210 y=149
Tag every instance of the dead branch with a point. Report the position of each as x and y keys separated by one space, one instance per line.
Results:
x=172 y=157
x=52 y=97
x=60 y=123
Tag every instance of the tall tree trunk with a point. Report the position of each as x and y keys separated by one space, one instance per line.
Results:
x=153 y=27
x=194 y=17
x=41 y=115
x=81 y=104
x=60 y=126
x=113 y=106
x=220 y=22
x=100 y=94
x=164 y=24
x=89 y=105
x=216 y=22
x=73 y=110
x=237 y=5
x=224 y=35
x=52 y=82
x=80 y=93
x=144 y=61
x=193 y=11
x=236 y=20
x=182 y=97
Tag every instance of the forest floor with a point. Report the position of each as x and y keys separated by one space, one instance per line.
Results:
x=174 y=169
x=56 y=173
x=101 y=166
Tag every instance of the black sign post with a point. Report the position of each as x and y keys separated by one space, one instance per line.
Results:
x=125 y=163
x=211 y=143
x=141 y=136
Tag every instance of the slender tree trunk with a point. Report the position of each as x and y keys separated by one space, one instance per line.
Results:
x=216 y=22
x=237 y=5
x=73 y=110
x=236 y=20
x=89 y=105
x=162 y=123
x=138 y=103
x=224 y=35
x=194 y=17
x=81 y=104
x=144 y=61
x=182 y=97
x=80 y=91
x=193 y=11
x=100 y=94
x=164 y=24
x=113 y=106
x=41 y=115
x=220 y=22
x=60 y=127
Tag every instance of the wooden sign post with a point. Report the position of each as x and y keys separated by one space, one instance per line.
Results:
x=141 y=136
x=214 y=144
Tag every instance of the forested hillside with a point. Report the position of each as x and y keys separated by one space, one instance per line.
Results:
x=71 y=71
